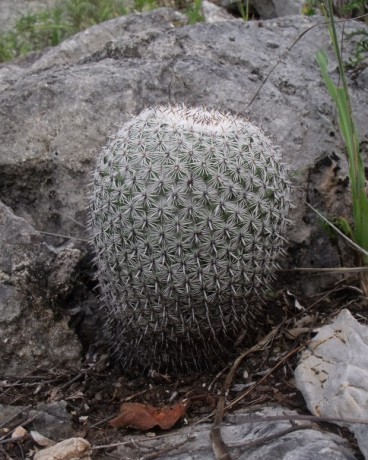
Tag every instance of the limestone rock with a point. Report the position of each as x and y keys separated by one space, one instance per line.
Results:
x=52 y=420
x=58 y=110
x=240 y=436
x=333 y=373
x=30 y=334
x=88 y=41
x=67 y=102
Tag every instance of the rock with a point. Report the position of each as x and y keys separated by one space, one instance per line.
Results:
x=240 y=437
x=88 y=41
x=58 y=110
x=213 y=13
x=67 y=102
x=268 y=9
x=333 y=373
x=52 y=421
x=64 y=270
x=69 y=449
x=265 y=9
x=30 y=333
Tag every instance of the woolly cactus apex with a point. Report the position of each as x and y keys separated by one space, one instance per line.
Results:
x=188 y=213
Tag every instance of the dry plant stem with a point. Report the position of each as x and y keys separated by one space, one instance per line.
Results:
x=219 y=446
x=162 y=451
x=64 y=236
x=307 y=418
x=328 y=270
x=7 y=438
x=101 y=422
x=277 y=365
x=81 y=374
x=146 y=439
x=290 y=48
x=10 y=419
x=11 y=440
x=3 y=454
x=8 y=388
x=364 y=283
x=265 y=439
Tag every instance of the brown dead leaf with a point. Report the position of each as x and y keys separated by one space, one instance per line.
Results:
x=145 y=416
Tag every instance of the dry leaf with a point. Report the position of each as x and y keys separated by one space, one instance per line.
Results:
x=145 y=416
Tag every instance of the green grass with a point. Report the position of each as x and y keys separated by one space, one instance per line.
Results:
x=358 y=231
x=35 y=32
x=347 y=8
x=194 y=12
x=358 y=61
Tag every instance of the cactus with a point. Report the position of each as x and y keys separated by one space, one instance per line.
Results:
x=188 y=213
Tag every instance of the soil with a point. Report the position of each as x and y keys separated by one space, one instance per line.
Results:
x=96 y=391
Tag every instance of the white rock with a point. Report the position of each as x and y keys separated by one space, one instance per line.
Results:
x=333 y=374
x=69 y=449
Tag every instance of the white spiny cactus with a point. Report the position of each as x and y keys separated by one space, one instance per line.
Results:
x=188 y=214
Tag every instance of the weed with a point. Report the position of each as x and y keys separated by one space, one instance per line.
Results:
x=359 y=61
x=341 y=98
x=35 y=32
x=194 y=12
x=244 y=12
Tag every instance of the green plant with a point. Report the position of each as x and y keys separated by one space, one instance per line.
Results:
x=310 y=7
x=244 y=12
x=145 y=5
x=341 y=98
x=351 y=8
x=188 y=212
x=359 y=60
x=194 y=12
x=345 y=8
x=35 y=32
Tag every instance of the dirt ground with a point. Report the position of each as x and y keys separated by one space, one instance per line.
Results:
x=95 y=392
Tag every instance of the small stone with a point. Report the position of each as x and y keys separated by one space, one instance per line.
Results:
x=19 y=433
x=69 y=449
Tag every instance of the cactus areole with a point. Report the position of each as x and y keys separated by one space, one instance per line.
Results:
x=188 y=212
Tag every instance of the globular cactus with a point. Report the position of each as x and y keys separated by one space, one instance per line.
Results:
x=188 y=213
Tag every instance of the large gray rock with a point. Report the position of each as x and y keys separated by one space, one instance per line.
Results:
x=88 y=41
x=33 y=330
x=58 y=112
x=240 y=437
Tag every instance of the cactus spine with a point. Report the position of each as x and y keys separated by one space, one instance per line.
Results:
x=188 y=213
